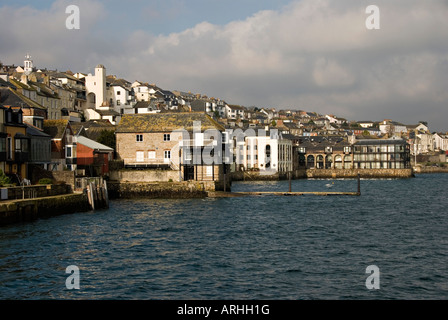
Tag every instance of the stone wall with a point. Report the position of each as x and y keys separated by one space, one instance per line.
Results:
x=167 y=190
x=431 y=170
x=31 y=209
x=364 y=173
x=38 y=173
x=325 y=174
x=144 y=175
x=37 y=191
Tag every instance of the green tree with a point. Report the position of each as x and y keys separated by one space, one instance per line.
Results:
x=107 y=137
x=4 y=180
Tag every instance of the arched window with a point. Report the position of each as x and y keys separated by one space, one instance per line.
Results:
x=310 y=162
x=338 y=162
x=319 y=162
x=328 y=161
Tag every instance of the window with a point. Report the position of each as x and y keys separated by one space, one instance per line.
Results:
x=167 y=154
x=68 y=151
x=166 y=137
x=188 y=155
x=2 y=145
x=140 y=156
x=151 y=154
x=118 y=93
x=139 y=138
x=9 y=146
x=118 y=102
x=209 y=171
x=18 y=144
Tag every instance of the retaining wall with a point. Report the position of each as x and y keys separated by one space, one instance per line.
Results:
x=325 y=174
x=167 y=190
x=36 y=191
x=431 y=170
x=26 y=210
x=364 y=173
x=144 y=175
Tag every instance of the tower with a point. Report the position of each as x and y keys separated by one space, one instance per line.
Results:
x=28 y=64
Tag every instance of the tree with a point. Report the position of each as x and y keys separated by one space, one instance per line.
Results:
x=107 y=137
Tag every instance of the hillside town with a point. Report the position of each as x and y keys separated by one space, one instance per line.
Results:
x=93 y=123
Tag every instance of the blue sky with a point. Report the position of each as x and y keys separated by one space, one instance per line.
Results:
x=314 y=55
x=166 y=16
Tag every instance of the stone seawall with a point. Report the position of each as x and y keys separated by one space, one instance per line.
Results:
x=325 y=174
x=165 y=190
x=27 y=192
x=15 y=211
x=353 y=173
x=431 y=170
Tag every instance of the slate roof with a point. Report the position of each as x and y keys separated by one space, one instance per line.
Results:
x=55 y=128
x=33 y=131
x=166 y=122
x=13 y=98
x=93 y=144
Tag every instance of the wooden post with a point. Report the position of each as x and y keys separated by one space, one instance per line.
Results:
x=359 y=184
x=289 y=173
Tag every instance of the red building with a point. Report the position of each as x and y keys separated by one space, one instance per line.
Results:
x=92 y=156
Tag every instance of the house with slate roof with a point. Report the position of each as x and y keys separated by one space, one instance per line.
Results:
x=92 y=157
x=63 y=146
x=188 y=142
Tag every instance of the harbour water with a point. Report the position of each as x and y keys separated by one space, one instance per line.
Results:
x=257 y=247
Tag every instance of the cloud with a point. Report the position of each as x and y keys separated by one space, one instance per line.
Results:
x=311 y=54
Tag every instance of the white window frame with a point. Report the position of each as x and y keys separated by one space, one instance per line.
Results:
x=140 y=156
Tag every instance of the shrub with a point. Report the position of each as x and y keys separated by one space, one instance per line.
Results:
x=4 y=180
x=45 y=181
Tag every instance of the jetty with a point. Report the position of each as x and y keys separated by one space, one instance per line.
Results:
x=221 y=194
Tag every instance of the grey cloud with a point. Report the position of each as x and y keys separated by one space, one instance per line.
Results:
x=313 y=55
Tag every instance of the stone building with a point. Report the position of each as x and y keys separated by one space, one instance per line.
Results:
x=185 y=142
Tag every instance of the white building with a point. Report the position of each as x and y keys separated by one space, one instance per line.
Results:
x=96 y=88
x=266 y=151
x=440 y=142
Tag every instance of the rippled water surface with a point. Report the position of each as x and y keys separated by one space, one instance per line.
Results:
x=260 y=247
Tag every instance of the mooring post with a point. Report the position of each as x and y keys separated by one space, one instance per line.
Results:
x=359 y=184
x=289 y=173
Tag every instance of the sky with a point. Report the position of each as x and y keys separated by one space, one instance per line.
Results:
x=313 y=55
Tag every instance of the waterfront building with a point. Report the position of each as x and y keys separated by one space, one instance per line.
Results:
x=185 y=142
x=92 y=157
x=40 y=149
x=266 y=151
x=338 y=153
x=329 y=152
x=15 y=144
x=391 y=153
